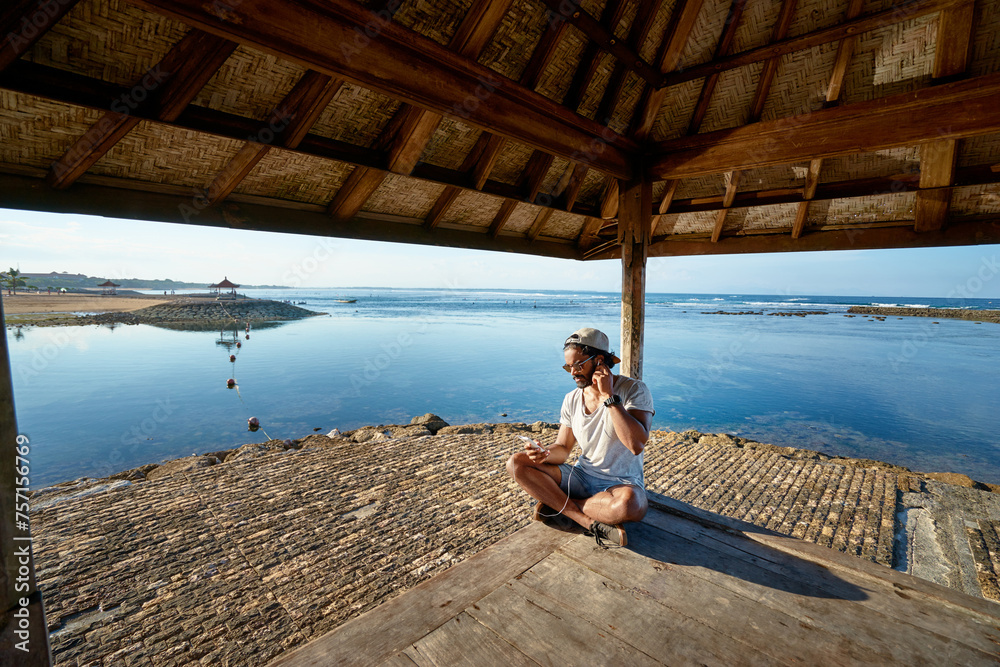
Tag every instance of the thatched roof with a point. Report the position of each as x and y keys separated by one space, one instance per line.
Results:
x=774 y=125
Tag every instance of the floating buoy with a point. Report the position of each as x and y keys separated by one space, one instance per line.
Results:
x=248 y=326
x=232 y=357
x=253 y=424
x=248 y=336
x=230 y=383
x=238 y=345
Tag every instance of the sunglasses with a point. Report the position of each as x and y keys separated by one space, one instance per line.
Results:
x=578 y=366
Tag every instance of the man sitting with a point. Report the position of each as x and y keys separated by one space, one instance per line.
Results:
x=609 y=416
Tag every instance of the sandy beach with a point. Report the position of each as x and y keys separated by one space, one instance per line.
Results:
x=20 y=304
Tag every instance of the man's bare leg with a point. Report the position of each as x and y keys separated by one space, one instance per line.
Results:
x=617 y=505
x=541 y=481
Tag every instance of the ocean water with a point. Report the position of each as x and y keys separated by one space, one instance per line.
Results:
x=920 y=393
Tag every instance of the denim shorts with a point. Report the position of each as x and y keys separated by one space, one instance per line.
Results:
x=576 y=483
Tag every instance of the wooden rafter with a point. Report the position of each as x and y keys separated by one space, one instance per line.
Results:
x=938 y=159
x=722 y=48
x=602 y=33
x=732 y=183
x=904 y=12
x=848 y=189
x=641 y=24
x=949 y=111
x=26 y=193
x=166 y=90
x=531 y=182
x=24 y=22
x=588 y=233
x=67 y=88
x=590 y=59
x=637 y=35
x=407 y=66
x=845 y=50
x=682 y=22
x=413 y=127
x=779 y=33
x=289 y=124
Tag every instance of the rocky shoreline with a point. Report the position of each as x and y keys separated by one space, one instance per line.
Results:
x=236 y=556
x=949 y=313
x=208 y=313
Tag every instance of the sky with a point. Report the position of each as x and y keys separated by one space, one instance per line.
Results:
x=114 y=248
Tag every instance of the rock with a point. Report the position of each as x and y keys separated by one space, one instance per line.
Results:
x=366 y=433
x=185 y=464
x=958 y=479
x=136 y=474
x=221 y=455
x=540 y=426
x=463 y=429
x=430 y=421
x=413 y=430
x=513 y=427
x=254 y=450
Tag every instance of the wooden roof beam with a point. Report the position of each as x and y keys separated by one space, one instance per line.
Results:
x=289 y=124
x=678 y=33
x=903 y=12
x=165 y=90
x=779 y=32
x=402 y=64
x=24 y=22
x=602 y=33
x=902 y=235
x=937 y=159
x=949 y=111
x=591 y=56
x=68 y=88
x=729 y=29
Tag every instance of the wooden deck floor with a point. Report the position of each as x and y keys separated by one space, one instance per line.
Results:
x=692 y=588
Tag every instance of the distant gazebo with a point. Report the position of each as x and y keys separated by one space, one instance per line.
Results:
x=225 y=284
x=109 y=288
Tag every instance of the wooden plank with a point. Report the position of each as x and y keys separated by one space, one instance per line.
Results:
x=491 y=151
x=235 y=171
x=398 y=660
x=382 y=632
x=777 y=609
x=548 y=631
x=633 y=617
x=799 y=584
x=682 y=22
x=539 y=223
x=638 y=31
x=465 y=641
x=970 y=108
x=356 y=190
x=542 y=55
x=68 y=88
x=442 y=204
x=842 y=566
x=729 y=29
x=857 y=26
x=801 y=215
x=634 y=221
x=669 y=191
x=732 y=179
x=24 y=22
x=534 y=173
x=590 y=59
x=501 y=218
x=408 y=67
x=937 y=159
x=602 y=34
x=478 y=27
x=411 y=140
x=588 y=233
x=166 y=90
x=779 y=32
x=289 y=124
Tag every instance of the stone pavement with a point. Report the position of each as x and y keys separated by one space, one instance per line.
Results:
x=234 y=563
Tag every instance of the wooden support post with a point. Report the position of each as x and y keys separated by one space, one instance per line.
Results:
x=635 y=214
x=24 y=625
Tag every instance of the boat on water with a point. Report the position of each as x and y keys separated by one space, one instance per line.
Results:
x=346 y=300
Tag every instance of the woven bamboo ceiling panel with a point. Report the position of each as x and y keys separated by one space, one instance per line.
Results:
x=514 y=125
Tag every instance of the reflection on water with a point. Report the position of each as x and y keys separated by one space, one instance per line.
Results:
x=97 y=400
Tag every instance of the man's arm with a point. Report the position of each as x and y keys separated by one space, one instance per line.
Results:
x=559 y=452
x=631 y=427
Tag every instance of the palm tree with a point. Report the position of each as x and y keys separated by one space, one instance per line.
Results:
x=11 y=279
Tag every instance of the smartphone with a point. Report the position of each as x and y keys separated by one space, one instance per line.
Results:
x=534 y=443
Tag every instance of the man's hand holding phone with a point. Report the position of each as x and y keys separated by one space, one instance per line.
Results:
x=603 y=380
x=535 y=451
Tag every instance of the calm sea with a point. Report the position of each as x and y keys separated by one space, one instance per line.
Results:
x=96 y=400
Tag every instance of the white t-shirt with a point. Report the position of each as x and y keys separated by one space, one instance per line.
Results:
x=603 y=454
